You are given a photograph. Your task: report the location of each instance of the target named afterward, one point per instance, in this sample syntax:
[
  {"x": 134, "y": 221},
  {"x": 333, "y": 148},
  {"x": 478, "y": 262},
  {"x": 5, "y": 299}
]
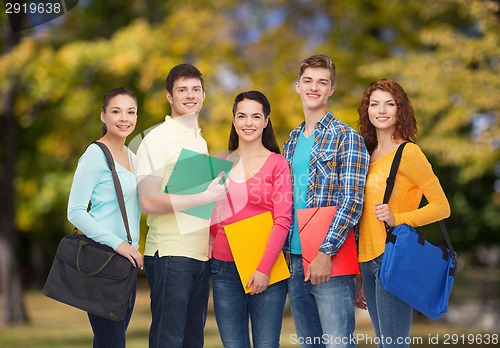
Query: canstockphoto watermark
[
  {"x": 27, "y": 14},
  {"x": 353, "y": 340},
  {"x": 431, "y": 339}
]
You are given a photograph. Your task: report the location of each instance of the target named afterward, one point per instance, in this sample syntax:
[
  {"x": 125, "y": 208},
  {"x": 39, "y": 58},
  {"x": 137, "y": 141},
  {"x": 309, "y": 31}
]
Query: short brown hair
[
  {"x": 318, "y": 61},
  {"x": 182, "y": 71}
]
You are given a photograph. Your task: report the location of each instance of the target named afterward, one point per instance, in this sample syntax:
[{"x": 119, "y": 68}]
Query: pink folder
[{"x": 313, "y": 227}]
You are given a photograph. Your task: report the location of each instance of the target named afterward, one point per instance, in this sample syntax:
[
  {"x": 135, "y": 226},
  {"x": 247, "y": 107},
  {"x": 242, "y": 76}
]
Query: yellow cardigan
[{"x": 413, "y": 179}]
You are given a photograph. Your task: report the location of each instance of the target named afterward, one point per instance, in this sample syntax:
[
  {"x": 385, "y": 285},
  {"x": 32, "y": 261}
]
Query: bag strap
[
  {"x": 118, "y": 187},
  {"x": 390, "y": 186},
  {"x": 447, "y": 237},
  {"x": 392, "y": 174}
]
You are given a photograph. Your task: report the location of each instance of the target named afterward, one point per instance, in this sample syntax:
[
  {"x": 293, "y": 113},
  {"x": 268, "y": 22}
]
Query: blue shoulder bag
[{"x": 414, "y": 270}]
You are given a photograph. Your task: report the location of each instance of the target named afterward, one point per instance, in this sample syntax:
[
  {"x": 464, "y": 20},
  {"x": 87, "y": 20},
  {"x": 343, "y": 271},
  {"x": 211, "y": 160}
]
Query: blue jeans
[
  {"x": 391, "y": 317},
  {"x": 109, "y": 333},
  {"x": 233, "y": 309},
  {"x": 179, "y": 299},
  {"x": 323, "y": 314}
]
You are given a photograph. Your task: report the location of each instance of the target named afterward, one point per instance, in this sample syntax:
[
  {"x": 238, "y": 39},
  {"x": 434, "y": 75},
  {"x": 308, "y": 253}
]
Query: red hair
[{"x": 406, "y": 124}]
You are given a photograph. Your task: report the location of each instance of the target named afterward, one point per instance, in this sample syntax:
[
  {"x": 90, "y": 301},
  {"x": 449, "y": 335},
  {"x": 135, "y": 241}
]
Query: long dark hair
[
  {"x": 406, "y": 124},
  {"x": 110, "y": 95},
  {"x": 268, "y": 137}
]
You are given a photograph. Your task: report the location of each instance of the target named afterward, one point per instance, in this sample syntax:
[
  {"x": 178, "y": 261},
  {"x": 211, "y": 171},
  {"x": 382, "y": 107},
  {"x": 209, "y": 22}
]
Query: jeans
[
  {"x": 233, "y": 309},
  {"x": 179, "y": 299},
  {"x": 109, "y": 333},
  {"x": 391, "y": 317},
  {"x": 323, "y": 314}
]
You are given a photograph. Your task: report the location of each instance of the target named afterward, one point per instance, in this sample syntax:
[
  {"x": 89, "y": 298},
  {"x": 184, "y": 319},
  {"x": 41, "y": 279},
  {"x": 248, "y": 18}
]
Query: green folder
[{"x": 193, "y": 172}]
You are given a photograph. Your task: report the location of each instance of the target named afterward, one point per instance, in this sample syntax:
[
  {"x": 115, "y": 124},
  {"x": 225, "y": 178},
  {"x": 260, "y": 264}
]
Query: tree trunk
[{"x": 10, "y": 278}]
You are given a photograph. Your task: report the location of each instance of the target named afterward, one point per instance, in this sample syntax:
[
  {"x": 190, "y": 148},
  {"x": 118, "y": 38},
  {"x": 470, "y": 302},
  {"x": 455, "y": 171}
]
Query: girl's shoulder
[
  {"x": 413, "y": 150},
  {"x": 93, "y": 151},
  {"x": 278, "y": 161},
  {"x": 277, "y": 158},
  {"x": 413, "y": 158},
  {"x": 94, "y": 157}
]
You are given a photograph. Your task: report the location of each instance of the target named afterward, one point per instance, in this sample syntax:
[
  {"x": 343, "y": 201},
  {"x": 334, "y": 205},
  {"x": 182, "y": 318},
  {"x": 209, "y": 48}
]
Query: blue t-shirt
[{"x": 300, "y": 170}]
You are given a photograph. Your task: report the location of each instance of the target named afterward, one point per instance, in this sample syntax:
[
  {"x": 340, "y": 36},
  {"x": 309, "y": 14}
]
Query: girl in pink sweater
[{"x": 260, "y": 181}]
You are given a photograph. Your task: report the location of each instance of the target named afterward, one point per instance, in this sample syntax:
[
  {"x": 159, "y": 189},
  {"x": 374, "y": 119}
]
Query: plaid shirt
[{"x": 337, "y": 174}]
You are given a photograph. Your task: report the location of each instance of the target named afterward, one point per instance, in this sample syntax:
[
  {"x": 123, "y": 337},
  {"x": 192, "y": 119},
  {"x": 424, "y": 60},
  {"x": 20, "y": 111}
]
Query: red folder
[{"x": 314, "y": 224}]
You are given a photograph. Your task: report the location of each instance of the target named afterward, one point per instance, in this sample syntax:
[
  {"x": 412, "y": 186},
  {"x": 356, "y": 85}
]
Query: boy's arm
[{"x": 154, "y": 201}]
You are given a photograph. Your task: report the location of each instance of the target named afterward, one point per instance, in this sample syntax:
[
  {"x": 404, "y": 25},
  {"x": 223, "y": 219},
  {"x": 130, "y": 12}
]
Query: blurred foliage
[{"x": 444, "y": 53}]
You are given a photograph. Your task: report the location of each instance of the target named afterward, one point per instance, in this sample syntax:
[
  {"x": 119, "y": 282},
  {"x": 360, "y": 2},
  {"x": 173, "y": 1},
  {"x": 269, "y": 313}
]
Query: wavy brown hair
[{"x": 406, "y": 124}]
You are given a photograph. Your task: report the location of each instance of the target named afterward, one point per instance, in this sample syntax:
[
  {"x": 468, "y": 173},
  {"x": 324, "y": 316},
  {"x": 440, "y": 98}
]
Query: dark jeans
[
  {"x": 109, "y": 333},
  {"x": 179, "y": 299}
]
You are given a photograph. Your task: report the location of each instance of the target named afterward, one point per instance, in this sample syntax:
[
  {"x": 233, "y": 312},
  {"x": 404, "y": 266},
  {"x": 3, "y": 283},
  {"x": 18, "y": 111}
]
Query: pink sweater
[{"x": 268, "y": 190}]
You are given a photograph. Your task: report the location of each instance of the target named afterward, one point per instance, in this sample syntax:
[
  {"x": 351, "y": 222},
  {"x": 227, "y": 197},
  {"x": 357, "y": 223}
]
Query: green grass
[{"x": 55, "y": 325}]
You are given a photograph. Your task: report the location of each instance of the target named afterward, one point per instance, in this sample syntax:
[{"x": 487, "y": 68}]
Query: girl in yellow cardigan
[{"x": 386, "y": 119}]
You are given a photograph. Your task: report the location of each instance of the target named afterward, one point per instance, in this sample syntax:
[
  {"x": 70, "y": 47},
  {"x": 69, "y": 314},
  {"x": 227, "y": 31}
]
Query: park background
[{"x": 445, "y": 53}]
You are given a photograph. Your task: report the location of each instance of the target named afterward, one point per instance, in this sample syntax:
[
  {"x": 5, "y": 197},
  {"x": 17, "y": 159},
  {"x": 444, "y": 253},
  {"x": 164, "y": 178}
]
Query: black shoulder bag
[
  {"x": 417, "y": 272},
  {"x": 92, "y": 276}
]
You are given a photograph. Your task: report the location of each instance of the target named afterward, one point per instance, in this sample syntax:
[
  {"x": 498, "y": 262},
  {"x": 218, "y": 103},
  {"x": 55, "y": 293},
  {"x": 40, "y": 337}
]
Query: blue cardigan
[{"x": 93, "y": 181}]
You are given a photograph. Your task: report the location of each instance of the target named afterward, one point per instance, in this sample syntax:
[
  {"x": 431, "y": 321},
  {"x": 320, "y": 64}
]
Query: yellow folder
[{"x": 247, "y": 240}]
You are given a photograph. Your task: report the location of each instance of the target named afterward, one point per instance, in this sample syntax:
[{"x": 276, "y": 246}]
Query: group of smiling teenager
[{"x": 325, "y": 163}]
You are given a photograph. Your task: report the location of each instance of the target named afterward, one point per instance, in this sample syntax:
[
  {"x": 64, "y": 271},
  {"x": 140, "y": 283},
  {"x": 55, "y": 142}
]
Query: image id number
[
  {"x": 32, "y": 7},
  {"x": 471, "y": 339}
]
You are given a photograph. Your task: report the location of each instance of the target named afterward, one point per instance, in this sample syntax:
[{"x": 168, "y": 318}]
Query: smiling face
[
  {"x": 249, "y": 121},
  {"x": 382, "y": 111},
  {"x": 120, "y": 116},
  {"x": 187, "y": 96},
  {"x": 315, "y": 87}
]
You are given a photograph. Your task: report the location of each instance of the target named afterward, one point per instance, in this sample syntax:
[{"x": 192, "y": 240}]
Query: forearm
[
  {"x": 437, "y": 209},
  {"x": 353, "y": 166},
  {"x": 419, "y": 170},
  {"x": 282, "y": 213},
  {"x": 273, "y": 247},
  {"x": 165, "y": 203},
  {"x": 346, "y": 217},
  {"x": 82, "y": 220},
  {"x": 154, "y": 200}
]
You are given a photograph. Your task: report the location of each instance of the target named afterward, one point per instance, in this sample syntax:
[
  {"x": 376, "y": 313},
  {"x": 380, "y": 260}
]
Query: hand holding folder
[
  {"x": 193, "y": 172},
  {"x": 248, "y": 240},
  {"x": 314, "y": 224}
]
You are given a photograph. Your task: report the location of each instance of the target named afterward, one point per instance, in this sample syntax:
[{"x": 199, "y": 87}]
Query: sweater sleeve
[
  {"x": 282, "y": 215},
  {"x": 417, "y": 168},
  {"x": 92, "y": 166}
]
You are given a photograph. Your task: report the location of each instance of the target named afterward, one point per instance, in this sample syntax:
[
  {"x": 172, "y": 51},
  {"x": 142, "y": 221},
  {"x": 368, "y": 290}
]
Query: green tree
[{"x": 452, "y": 77}]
